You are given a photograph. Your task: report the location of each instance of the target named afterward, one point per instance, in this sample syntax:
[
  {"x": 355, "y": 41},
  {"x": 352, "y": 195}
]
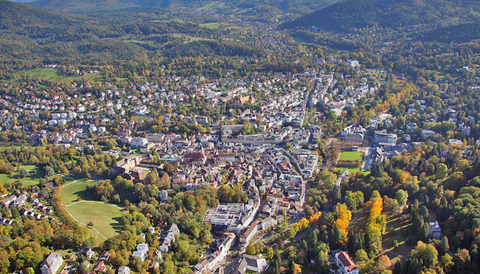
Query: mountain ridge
[{"x": 353, "y": 14}]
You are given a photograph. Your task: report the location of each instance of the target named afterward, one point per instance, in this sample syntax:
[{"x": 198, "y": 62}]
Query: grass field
[
  {"x": 352, "y": 170},
  {"x": 4, "y": 147},
  {"x": 70, "y": 192},
  {"x": 211, "y": 25},
  {"x": 351, "y": 156},
  {"x": 50, "y": 74},
  {"x": 399, "y": 228},
  {"x": 30, "y": 180},
  {"x": 105, "y": 217}
]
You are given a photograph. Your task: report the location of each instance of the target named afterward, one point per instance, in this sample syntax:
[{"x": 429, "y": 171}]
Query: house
[
  {"x": 51, "y": 264},
  {"x": 345, "y": 263},
  {"x": 105, "y": 256},
  {"x": 241, "y": 100},
  {"x": 435, "y": 230},
  {"x": 124, "y": 270},
  {"x": 138, "y": 142},
  {"x": 9, "y": 201},
  {"x": 411, "y": 126},
  {"x": 141, "y": 252},
  {"x": 196, "y": 158},
  {"x": 171, "y": 233},
  {"x": 101, "y": 267},
  {"x": 163, "y": 195},
  {"x": 246, "y": 263}
]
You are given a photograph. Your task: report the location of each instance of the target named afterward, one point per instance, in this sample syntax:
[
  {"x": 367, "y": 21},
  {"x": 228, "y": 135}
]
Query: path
[
  {"x": 98, "y": 232},
  {"x": 65, "y": 207},
  {"x": 83, "y": 201}
]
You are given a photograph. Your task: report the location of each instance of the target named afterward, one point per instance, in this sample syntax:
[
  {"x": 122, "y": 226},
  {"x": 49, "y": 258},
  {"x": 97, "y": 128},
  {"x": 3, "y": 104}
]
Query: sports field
[{"x": 351, "y": 156}]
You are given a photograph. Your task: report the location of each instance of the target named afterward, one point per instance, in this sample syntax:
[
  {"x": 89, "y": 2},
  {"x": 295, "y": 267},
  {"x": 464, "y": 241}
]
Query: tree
[
  {"x": 401, "y": 196},
  {"x": 361, "y": 256},
  {"x": 427, "y": 252},
  {"x": 169, "y": 168},
  {"x": 49, "y": 171},
  {"x": 269, "y": 253},
  {"x": 444, "y": 245},
  {"x": 23, "y": 173},
  {"x": 446, "y": 261}
]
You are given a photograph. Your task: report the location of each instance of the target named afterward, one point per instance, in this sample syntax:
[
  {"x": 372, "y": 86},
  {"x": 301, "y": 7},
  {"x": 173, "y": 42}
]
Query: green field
[
  {"x": 30, "y": 180},
  {"x": 70, "y": 192},
  {"x": 4, "y": 147},
  {"x": 50, "y": 74},
  {"x": 351, "y": 156},
  {"x": 352, "y": 170},
  {"x": 211, "y": 25},
  {"x": 105, "y": 217}
]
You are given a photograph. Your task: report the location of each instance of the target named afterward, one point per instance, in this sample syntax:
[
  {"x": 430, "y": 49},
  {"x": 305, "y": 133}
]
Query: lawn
[
  {"x": 30, "y": 180},
  {"x": 4, "y": 147},
  {"x": 352, "y": 170},
  {"x": 50, "y": 74},
  {"x": 105, "y": 217},
  {"x": 70, "y": 192},
  {"x": 211, "y": 25},
  {"x": 351, "y": 156},
  {"x": 397, "y": 230}
]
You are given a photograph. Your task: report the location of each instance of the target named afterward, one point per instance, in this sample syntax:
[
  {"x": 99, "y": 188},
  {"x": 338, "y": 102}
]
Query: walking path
[{"x": 98, "y": 232}]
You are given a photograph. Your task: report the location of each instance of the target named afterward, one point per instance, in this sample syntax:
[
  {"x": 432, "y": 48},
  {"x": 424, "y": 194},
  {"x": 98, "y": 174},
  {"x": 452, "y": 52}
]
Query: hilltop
[
  {"x": 353, "y": 14},
  {"x": 227, "y": 7}
]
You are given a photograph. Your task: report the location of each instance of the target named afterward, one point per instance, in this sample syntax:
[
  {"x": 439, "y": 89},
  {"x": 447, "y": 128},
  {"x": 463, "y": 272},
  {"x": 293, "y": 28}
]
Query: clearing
[
  {"x": 105, "y": 217},
  {"x": 397, "y": 229},
  {"x": 31, "y": 179},
  {"x": 71, "y": 191}
]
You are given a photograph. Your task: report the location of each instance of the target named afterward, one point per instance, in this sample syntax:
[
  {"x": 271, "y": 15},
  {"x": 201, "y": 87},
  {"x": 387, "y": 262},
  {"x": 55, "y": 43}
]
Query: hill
[
  {"x": 457, "y": 33},
  {"x": 29, "y": 33},
  {"x": 350, "y": 14},
  {"x": 256, "y": 8},
  {"x": 14, "y": 17}
]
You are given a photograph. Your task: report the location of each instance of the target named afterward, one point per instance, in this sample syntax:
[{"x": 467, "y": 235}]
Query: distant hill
[
  {"x": 202, "y": 6},
  {"x": 28, "y": 33},
  {"x": 14, "y": 17},
  {"x": 351, "y": 14},
  {"x": 455, "y": 33}
]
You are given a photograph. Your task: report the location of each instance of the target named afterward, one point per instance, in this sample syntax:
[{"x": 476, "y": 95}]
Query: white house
[
  {"x": 345, "y": 263},
  {"x": 51, "y": 264}
]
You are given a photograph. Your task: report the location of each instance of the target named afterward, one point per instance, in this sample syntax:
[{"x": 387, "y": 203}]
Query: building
[
  {"x": 435, "y": 230},
  {"x": 124, "y": 270},
  {"x": 382, "y": 138},
  {"x": 141, "y": 252},
  {"x": 225, "y": 216},
  {"x": 51, "y": 264},
  {"x": 246, "y": 263},
  {"x": 196, "y": 158},
  {"x": 241, "y": 100},
  {"x": 345, "y": 264},
  {"x": 138, "y": 142},
  {"x": 170, "y": 238},
  {"x": 249, "y": 233}
]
